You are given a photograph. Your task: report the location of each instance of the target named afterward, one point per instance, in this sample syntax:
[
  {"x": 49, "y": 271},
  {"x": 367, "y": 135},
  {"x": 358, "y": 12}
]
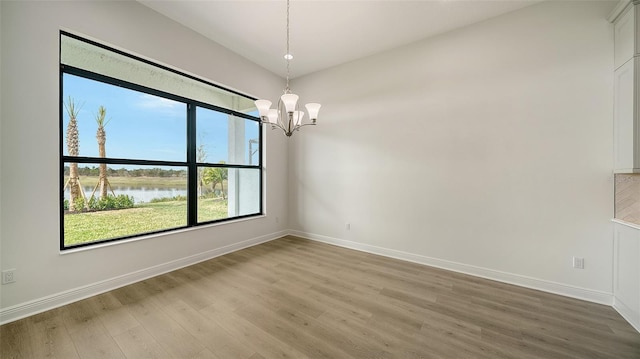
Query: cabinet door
[
  {"x": 627, "y": 272},
  {"x": 624, "y": 37},
  {"x": 623, "y": 116}
]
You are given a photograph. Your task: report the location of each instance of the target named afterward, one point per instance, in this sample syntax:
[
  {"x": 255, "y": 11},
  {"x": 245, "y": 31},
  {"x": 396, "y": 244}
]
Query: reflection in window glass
[
  {"x": 224, "y": 138},
  {"x": 228, "y": 192},
  {"x": 244, "y": 184}
]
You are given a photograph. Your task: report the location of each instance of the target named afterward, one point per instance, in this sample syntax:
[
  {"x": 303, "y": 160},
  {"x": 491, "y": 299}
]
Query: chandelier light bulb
[
  {"x": 297, "y": 118},
  {"x": 290, "y": 100},
  {"x": 313, "y": 109},
  {"x": 263, "y": 107},
  {"x": 272, "y": 115}
]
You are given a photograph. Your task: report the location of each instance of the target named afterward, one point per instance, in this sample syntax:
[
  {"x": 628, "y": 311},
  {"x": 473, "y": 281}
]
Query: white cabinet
[
  {"x": 626, "y": 275},
  {"x": 627, "y": 92},
  {"x": 625, "y": 123},
  {"x": 624, "y": 37}
]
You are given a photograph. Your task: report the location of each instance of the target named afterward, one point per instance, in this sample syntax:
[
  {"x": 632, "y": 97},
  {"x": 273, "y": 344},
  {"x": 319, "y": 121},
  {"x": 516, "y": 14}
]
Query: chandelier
[{"x": 287, "y": 116}]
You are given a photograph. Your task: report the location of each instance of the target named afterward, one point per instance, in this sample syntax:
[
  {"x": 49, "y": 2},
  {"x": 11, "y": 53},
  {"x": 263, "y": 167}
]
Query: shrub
[
  {"x": 111, "y": 202},
  {"x": 124, "y": 201},
  {"x": 78, "y": 205}
]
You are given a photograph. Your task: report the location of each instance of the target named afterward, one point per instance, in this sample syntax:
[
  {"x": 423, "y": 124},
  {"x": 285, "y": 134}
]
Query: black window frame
[{"x": 191, "y": 164}]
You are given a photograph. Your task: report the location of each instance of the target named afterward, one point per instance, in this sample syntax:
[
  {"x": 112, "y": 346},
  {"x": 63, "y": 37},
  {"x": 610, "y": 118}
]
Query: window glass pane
[
  {"x": 81, "y": 54},
  {"x": 136, "y": 125},
  {"x": 244, "y": 191},
  {"x": 213, "y": 193},
  {"x": 134, "y": 200},
  {"x": 228, "y": 192},
  {"x": 212, "y": 136},
  {"x": 252, "y": 142},
  {"x": 224, "y": 138}
]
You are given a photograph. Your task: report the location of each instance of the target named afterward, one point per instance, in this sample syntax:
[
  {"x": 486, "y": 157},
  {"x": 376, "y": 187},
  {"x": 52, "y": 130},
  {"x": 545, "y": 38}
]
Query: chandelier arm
[
  {"x": 297, "y": 128},
  {"x": 273, "y": 125}
]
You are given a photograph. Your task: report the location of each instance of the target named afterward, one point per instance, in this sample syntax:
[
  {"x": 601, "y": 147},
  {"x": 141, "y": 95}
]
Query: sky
[{"x": 143, "y": 126}]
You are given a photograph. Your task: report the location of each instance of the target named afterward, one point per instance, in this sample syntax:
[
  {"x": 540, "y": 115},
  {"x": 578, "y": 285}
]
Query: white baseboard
[
  {"x": 627, "y": 313},
  {"x": 24, "y": 310},
  {"x": 510, "y": 278}
]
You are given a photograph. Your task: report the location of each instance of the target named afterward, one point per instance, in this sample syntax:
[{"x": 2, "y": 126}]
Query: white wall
[
  {"x": 486, "y": 150},
  {"x": 1, "y": 267},
  {"x": 30, "y": 148}
]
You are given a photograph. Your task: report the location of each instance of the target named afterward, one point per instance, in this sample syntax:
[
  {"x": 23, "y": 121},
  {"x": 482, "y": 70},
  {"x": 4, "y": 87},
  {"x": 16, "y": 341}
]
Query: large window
[{"x": 147, "y": 149}]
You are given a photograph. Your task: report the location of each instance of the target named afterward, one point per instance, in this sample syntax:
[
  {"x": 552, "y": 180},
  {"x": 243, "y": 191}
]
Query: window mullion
[{"x": 192, "y": 185}]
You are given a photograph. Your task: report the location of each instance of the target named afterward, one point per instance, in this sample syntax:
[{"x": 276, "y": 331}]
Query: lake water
[{"x": 140, "y": 194}]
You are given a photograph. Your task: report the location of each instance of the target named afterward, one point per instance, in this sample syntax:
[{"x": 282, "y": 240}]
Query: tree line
[{"x": 123, "y": 172}]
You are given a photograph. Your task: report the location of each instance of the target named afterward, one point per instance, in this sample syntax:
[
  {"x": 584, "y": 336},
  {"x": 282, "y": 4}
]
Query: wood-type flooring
[{"x": 295, "y": 298}]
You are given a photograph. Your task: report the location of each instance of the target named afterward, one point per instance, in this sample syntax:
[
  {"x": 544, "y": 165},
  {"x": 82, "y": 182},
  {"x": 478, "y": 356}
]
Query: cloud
[{"x": 157, "y": 103}]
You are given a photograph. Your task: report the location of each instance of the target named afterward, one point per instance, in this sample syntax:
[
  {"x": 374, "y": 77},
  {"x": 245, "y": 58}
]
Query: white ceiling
[{"x": 325, "y": 33}]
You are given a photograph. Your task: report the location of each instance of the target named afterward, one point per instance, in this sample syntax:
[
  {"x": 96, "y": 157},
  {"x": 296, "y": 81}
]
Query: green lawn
[{"x": 143, "y": 218}]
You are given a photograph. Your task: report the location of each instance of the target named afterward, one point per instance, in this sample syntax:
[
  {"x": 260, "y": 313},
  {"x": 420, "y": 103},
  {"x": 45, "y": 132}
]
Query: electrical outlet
[
  {"x": 347, "y": 226},
  {"x": 578, "y": 263},
  {"x": 277, "y": 219},
  {"x": 8, "y": 276}
]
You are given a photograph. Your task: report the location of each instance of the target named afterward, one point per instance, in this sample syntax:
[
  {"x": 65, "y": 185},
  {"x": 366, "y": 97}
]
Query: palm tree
[
  {"x": 201, "y": 156},
  {"x": 101, "y": 136},
  {"x": 73, "y": 147},
  {"x": 215, "y": 176}
]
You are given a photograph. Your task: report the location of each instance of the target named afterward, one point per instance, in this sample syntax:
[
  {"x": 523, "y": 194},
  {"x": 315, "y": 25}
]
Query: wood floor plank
[
  {"x": 379, "y": 340},
  {"x": 303, "y": 289},
  {"x": 354, "y": 346},
  {"x": 113, "y": 315},
  {"x": 519, "y": 348},
  {"x": 207, "y": 332},
  {"x": 173, "y": 338},
  {"x": 191, "y": 291},
  {"x": 206, "y": 354},
  {"x": 50, "y": 338},
  {"x": 136, "y": 342},
  {"x": 92, "y": 340},
  {"x": 377, "y": 306},
  {"x": 16, "y": 340},
  {"x": 295, "y": 298},
  {"x": 268, "y": 320},
  {"x": 254, "y": 337}
]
